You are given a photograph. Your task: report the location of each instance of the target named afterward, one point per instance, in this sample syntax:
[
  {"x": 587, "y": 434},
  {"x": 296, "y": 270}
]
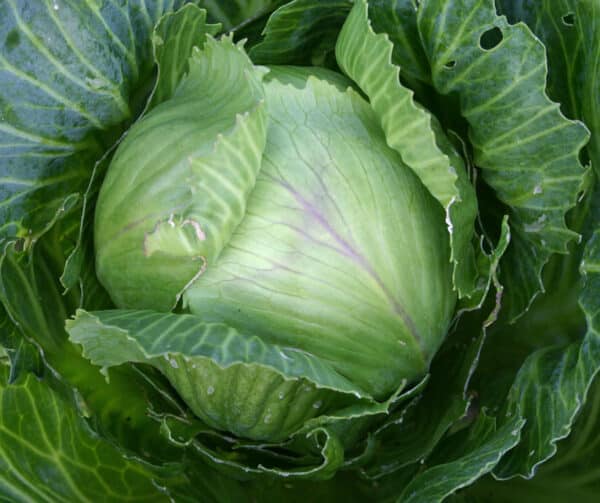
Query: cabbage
[{"x": 307, "y": 249}]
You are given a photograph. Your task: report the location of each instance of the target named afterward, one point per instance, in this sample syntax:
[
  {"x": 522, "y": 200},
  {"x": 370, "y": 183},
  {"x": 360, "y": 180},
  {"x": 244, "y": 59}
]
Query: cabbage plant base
[{"x": 310, "y": 289}]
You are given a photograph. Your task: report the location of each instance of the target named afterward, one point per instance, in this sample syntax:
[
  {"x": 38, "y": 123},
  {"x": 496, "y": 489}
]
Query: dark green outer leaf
[
  {"x": 231, "y": 13},
  {"x": 71, "y": 72},
  {"x": 22, "y": 356},
  {"x": 484, "y": 447},
  {"x": 398, "y": 18},
  {"x": 572, "y": 475},
  {"x": 32, "y": 297},
  {"x": 28, "y": 289},
  {"x": 49, "y": 454},
  {"x": 527, "y": 149},
  {"x": 553, "y": 384},
  {"x": 570, "y": 31},
  {"x": 63, "y": 448},
  {"x": 301, "y": 32},
  {"x": 323, "y": 467}
]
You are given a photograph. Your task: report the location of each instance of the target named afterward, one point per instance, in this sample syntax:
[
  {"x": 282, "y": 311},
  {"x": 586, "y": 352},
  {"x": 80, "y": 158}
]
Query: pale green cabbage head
[{"x": 271, "y": 202}]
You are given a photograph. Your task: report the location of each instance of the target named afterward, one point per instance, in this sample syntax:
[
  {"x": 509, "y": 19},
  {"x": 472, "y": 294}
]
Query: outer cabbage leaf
[
  {"x": 28, "y": 284},
  {"x": 570, "y": 32},
  {"x": 71, "y": 73},
  {"x": 482, "y": 447},
  {"x": 553, "y": 384},
  {"x": 574, "y": 473},
  {"x": 398, "y": 19},
  {"x": 21, "y": 356},
  {"x": 54, "y": 456},
  {"x": 33, "y": 300},
  {"x": 233, "y": 14},
  {"x": 301, "y": 32},
  {"x": 527, "y": 150}
]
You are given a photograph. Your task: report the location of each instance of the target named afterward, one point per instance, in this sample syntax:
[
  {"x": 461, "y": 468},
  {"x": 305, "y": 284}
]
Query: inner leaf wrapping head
[{"x": 178, "y": 185}]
